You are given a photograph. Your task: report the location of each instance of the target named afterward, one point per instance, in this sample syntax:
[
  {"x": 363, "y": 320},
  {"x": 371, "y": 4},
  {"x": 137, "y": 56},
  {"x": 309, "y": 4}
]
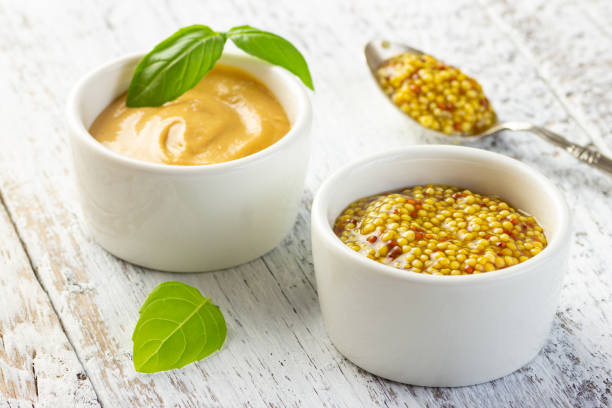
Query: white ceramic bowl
[
  {"x": 439, "y": 330},
  {"x": 189, "y": 218}
]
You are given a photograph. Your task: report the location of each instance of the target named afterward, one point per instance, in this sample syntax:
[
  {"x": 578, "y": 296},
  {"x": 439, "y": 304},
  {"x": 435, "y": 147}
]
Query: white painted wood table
[{"x": 68, "y": 308}]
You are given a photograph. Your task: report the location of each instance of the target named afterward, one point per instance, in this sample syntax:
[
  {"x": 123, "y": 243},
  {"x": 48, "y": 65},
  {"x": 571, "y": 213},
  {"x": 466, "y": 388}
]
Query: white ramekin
[
  {"x": 439, "y": 330},
  {"x": 188, "y": 218}
]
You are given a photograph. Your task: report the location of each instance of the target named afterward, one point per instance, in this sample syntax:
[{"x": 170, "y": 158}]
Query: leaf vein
[{"x": 178, "y": 327}]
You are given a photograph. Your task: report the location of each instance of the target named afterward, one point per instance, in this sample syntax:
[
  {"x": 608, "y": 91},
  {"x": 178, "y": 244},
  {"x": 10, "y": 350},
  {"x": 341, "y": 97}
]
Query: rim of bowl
[
  {"x": 318, "y": 214},
  {"x": 303, "y": 117}
]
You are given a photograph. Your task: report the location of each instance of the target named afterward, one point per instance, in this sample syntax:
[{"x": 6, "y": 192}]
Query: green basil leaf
[
  {"x": 177, "y": 326},
  {"x": 273, "y": 49},
  {"x": 175, "y": 66}
]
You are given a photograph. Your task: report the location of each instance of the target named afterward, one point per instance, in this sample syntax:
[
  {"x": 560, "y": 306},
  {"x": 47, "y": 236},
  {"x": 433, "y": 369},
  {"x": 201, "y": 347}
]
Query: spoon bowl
[{"x": 379, "y": 51}]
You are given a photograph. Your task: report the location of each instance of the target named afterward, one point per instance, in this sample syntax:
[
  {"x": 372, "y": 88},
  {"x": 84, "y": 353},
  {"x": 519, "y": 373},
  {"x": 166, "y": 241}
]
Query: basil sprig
[
  {"x": 177, "y": 326},
  {"x": 179, "y": 62}
]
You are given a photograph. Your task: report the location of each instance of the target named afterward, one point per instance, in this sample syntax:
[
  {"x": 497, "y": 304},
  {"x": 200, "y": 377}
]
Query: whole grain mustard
[
  {"x": 436, "y": 95},
  {"x": 440, "y": 230}
]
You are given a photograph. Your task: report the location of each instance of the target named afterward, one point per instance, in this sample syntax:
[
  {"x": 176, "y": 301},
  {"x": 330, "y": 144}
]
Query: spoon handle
[{"x": 582, "y": 153}]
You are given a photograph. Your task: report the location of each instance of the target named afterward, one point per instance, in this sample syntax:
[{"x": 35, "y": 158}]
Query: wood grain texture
[
  {"x": 38, "y": 366},
  {"x": 277, "y": 352},
  {"x": 568, "y": 43}
]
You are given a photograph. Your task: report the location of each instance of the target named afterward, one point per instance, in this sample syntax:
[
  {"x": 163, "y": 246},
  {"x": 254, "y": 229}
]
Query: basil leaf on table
[
  {"x": 271, "y": 48},
  {"x": 175, "y": 65},
  {"x": 177, "y": 326}
]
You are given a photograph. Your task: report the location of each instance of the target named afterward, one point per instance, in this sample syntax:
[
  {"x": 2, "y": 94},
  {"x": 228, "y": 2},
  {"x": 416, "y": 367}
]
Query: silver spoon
[{"x": 378, "y": 51}]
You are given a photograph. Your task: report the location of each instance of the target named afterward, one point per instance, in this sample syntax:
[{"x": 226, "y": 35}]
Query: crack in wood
[{"x": 34, "y": 374}]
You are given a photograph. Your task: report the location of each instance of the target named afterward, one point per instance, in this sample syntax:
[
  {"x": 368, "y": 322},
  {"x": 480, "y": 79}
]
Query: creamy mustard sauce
[{"x": 226, "y": 116}]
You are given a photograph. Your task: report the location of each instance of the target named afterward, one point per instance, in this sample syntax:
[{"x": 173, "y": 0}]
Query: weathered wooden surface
[
  {"x": 549, "y": 62},
  {"x": 37, "y": 363}
]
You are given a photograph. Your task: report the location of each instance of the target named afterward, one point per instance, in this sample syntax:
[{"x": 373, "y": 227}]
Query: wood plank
[
  {"x": 568, "y": 43},
  {"x": 38, "y": 366},
  {"x": 277, "y": 351}
]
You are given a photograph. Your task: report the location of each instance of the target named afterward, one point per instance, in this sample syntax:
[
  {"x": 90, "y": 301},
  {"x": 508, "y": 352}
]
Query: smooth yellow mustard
[{"x": 228, "y": 115}]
